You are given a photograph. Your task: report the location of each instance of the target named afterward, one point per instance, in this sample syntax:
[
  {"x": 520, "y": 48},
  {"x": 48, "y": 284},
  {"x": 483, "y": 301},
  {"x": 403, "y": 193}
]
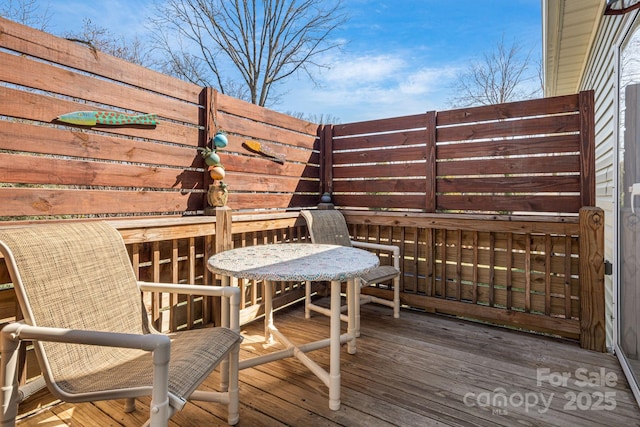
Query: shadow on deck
[{"x": 419, "y": 370}]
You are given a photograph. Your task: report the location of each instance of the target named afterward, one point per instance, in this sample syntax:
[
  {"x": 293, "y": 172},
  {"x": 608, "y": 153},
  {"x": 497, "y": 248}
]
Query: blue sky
[{"x": 400, "y": 56}]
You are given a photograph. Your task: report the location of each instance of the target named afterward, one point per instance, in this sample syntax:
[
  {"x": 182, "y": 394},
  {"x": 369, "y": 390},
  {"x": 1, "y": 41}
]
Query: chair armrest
[
  {"x": 11, "y": 335},
  {"x": 147, "y": 342},
  {"x": 376, "y": 246},
  {"x": 380, "y": 247},
  {"x": 231, "y": 292},
  {"x": 209, "y": 291}
]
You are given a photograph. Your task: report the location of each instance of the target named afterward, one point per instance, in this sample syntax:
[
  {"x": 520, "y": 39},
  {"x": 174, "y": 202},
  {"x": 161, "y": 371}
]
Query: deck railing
[{"x": 532, "y": 273}]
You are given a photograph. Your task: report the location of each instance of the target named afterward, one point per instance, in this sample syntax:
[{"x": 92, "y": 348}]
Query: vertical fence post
[
  {"x": 208, "y": 121},
  {"x": 223, "y": 242},
  {"x": 587, "y": 148},
  {"x": 430, "y": 180},
  {"x": 593, "y": 329},
  {"x": 224, "y": 222},
  {"x": 326, "y": 159}
]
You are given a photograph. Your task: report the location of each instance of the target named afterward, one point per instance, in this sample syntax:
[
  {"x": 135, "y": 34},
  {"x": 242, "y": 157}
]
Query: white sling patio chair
[
  {"x": 328, "y": 226},
  {"x": 82, "y": 307}
]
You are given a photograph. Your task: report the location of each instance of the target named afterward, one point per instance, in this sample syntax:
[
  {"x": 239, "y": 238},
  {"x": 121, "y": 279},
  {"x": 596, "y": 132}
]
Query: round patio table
[{"x": 301, "y": 262}]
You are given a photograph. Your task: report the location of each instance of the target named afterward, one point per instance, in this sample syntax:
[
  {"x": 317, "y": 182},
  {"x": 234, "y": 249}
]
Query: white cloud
[
  {"x": 371, "y": 87},
  {"x": 362, "y": 69},
  {"x": 425, "y": 80}
]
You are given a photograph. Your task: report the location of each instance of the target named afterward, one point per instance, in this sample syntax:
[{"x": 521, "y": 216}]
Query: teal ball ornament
[{"x": 220, "y": 140}]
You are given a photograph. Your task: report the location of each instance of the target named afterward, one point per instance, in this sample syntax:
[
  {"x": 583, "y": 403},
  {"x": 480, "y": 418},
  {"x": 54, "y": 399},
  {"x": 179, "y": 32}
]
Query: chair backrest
[
  {"x": 327, "y": 227},
  {"x": 73, "y": 275}
]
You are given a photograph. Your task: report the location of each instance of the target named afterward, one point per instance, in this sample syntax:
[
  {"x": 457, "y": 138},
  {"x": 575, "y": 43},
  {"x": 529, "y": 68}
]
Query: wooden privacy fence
[
  {"x": 491, "y": 206},
  {"x": 534, "y": 156},
  {"x": 521, "y": 157},
  {"x": 54, "y": 170},
  {"x": 51, "y": 169}
]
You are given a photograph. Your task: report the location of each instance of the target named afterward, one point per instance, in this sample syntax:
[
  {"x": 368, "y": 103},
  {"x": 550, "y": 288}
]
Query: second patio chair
[
  {"x": 328, "y": 226},
  {"x": 83, "y": 309}
]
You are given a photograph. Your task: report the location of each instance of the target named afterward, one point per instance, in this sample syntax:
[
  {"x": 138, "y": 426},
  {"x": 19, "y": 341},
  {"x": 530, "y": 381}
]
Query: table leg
[
  {"x": 225, "y": 321},
  {"x": 224, "y": 309},
  {"x": 268, "y": 311},
  {"x": 358, "y": 291},
  {"x": 334, "y": 355},
  {"x": 353, "y": 311},
  {"x": 307, "y": 299}
]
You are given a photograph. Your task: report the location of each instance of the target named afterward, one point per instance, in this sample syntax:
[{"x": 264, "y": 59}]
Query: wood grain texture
[{"x": 412, "y": 371}]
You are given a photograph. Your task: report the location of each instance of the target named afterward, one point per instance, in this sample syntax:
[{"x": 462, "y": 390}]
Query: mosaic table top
[{"x": 293, "y": 262}]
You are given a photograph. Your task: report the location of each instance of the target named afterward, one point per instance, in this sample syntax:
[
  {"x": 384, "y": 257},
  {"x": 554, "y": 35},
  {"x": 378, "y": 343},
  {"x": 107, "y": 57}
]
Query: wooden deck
[{"x": 440, "y": 371}]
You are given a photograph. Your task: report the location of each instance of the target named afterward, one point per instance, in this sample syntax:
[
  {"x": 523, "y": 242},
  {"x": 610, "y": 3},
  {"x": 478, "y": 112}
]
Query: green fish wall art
[{"x": 107, "y": 118}]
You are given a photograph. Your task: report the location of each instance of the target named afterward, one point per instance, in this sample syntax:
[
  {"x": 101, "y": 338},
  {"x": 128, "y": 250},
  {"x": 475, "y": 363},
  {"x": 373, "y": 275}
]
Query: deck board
[{"x": 412, "y": 371}]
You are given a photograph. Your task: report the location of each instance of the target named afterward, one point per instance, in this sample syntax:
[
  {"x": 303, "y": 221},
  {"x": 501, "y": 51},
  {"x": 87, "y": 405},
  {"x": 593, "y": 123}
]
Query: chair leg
[
  {"x": 160, "y": 406},
  {"x": 233, "y": 415},
  {"x": 129, "y": 404},
  {"x": 8, "y": 376},
  {"x": 396, "y": 297}
]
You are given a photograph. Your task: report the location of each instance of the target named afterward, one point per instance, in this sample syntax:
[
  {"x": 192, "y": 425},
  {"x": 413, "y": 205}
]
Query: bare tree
[
  {"x": 504, "y": 75},
  {"x": 104, "y": 40},
  {"x": 320, "y": 119},
  {"x": 244, "y": 47},
  {"x": 27, "y": 12}
]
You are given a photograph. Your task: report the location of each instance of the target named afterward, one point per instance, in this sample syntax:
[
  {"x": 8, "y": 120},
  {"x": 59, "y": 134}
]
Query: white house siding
[{"x": 601, "y": 76}]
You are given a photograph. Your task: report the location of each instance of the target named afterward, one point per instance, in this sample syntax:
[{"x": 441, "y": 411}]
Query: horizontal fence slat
[
  {"x": 260, "y": 166},
  {"x": 380, "y": 185},
  {"x": 552, "y": 144},
  {"x": 569, "y": 328},
  {"x": 45, "y": 109},
  {"x": 535, "y": 126},
  {"x": 382, "y": 125},
  {"x": 51, "y": 171},
  {"x": 253, "y": 201},
  {"x": 377, "y": 156},
  {"x": 241, "y": 181},
  {"x": 39, "y": 202},
  {"x": 141, "y": 231},
  {"x": 380, "y": 140},
  {"x": 381, "y": 201},
  {"x": 380, "y": 171},
  {"x": 19, "y": 70},
  {"x": 25, "y": 40},
  {"x": 527, "y": 165},
  {"x": 535, "y": 107},
  {"x": 291, "y": 153},
  {"x": 528, "y": 203},
  {"x": 249, "y": 128},
  {"x": 237, "y": 107},
  {"x": 81, "y": 144},
  {"x": 537, "y": 225},
  {"x": 512, "y": 184}
]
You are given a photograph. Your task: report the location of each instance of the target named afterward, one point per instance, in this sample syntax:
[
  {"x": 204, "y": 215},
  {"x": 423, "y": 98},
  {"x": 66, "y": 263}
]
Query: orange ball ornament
[{"x": 216, "y": 172}]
